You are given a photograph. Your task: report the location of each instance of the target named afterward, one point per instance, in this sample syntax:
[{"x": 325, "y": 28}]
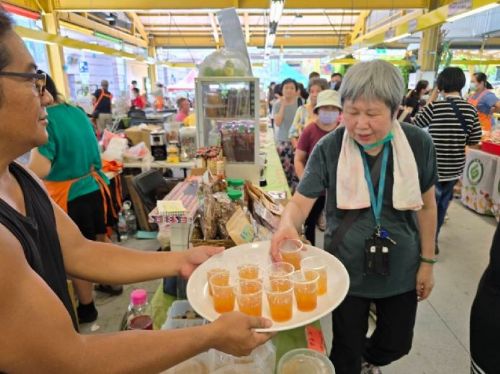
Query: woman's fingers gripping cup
[{"x": 282, "y": 235}]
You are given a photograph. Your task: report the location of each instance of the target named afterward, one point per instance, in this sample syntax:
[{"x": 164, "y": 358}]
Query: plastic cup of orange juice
[
  {"x": 222, "y": 292},
  {"x": 279, "y": 292},
  {"x": 249, "y": 271},
  {"x": 305, "y": 287},
  {"x": 290, "y": 252},
  {"x": 249, "y": 297},
  {"x": 315, "y": 263},
  {"x": 280, "y": 270},
  {"x": 223, "y": 280}
]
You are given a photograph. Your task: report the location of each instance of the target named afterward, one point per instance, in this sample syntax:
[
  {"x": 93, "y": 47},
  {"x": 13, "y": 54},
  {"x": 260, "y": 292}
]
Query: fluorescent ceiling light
[
  {"x": 38, "y": 40},
  {"x": 92, "y": 51},
  {"x": 471, "y": 12},
  {"x": 397, "y": 37},
  {"x": 276, "y": 10},
  {"x": 270, "y": 39}
]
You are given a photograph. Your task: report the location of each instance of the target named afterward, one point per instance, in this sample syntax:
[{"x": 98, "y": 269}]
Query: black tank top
[{"x": 37, "y": 234}]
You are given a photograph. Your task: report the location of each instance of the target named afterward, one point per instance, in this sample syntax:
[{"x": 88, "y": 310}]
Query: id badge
[{"x": 377, "y": 255}]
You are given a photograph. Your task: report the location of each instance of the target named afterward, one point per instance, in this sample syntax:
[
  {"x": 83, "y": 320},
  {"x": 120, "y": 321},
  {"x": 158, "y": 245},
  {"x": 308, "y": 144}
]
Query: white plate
[{"x": 201, "y": 301}]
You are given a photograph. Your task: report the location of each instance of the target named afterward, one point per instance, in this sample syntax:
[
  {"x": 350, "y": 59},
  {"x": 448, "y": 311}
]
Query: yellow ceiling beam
[
  {"x": 86, "y": 23},
  {"x": 134, "y": 5},
  {"x": 351, "y": 61},
  {"x": 53, "y": 39},
  {"x": 409, "y": 24},
  {"x": 138, "y": 26},
  {"x": 360, "y": 25},
  {"x": 374, "y": 35},
  {"x": 34, "y": 5},
  {"x": 179, "y": 41}
]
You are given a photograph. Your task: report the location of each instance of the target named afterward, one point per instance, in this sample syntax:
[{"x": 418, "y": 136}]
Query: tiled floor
[{"x": 441, "y": 335}]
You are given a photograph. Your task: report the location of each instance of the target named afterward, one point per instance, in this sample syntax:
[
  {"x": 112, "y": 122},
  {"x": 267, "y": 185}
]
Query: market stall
[{"x": 276, "y": 183}]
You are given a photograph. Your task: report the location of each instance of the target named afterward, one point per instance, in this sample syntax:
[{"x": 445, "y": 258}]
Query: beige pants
[{"x": 104, "y": 120}]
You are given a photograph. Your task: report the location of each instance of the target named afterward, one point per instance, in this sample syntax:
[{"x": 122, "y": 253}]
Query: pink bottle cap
[{"x": 139, "y": 296}]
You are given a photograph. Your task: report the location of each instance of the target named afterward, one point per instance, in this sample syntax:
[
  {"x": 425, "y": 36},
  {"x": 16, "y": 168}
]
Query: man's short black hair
[
  {"x": 288, "y": 81},
  {"x": 313, "y": 75},
  {"x": 134, "y": 82},
  {"x": 5, "y": 27},
  {"x": 336, "y": 75},
  {"x": 451, "y": 79},
  {"x": 135, "y": 89}
]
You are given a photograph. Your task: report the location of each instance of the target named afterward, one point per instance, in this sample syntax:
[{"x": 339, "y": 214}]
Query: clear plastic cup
[
  {"x": 317, "y": 264},
  {"x": 280, "y": 270},
  {"x": 279, "y": 292},
  {"x": 305, "y": 287},
  {"x": 290, "y": 250},
  {"x": 222, "y": 292},
  {"x": 214, "y": 271},
  {"x": 249, "y": 271},
  {"x": 249, "y": 297}
]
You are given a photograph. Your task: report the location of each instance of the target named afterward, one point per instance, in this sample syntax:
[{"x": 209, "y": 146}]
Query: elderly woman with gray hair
[{"x": 381, "y": 217}]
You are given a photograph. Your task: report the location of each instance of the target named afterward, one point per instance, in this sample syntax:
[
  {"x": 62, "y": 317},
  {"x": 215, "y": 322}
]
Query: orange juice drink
[
  {"x": 290, "y": 250},
  {"x": 280, "y": 270},
  {"x": 249, "y": 271},
  {"x": 315, "y": 263},
  {"x": 279, "y": 294},
  {"x": 222, "y": 293},
  {"x": 249, "y": 296},
  {"x": 224, "y": 280},
  {"x": 305, "y": 287}
]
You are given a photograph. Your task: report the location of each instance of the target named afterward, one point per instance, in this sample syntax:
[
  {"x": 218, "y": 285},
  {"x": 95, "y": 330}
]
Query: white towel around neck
[{"x": 352, "y": 189}]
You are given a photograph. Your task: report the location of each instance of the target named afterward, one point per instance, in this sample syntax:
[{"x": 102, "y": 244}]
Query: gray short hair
[{"x": 374, "y": 80}]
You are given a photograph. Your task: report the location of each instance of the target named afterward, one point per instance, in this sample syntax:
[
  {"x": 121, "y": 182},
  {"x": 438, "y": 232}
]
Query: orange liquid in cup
[
  {"x": 322, "y": 283},
  {"x": 280, "y": 312},
  {"x": 251, "y": 309},
  {"x": 223, "y": 301},
  {"x": 220, "y": 281},
  {"x": 306, "y": 290},
  {"x": 249, "y": 272},
  {"x": 292, "y": 258},
  {"x": 280, "y": 299},
  {"x": 249, "y": 296},
  {"x": 306, "y": 300}
]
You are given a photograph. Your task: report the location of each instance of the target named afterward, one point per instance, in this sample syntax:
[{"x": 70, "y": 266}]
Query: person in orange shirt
[{"x": 484, "y": 100}]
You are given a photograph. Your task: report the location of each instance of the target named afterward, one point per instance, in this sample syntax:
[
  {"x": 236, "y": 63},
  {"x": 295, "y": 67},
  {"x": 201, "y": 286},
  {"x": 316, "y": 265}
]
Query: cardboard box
[{"x": 138, "y": 134}]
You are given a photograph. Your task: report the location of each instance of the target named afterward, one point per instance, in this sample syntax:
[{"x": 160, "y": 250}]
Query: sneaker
[
  {"x": 367, "y": 368},
  {"x": 110, "y": 290},
  {"x": 86, "y": 313}
]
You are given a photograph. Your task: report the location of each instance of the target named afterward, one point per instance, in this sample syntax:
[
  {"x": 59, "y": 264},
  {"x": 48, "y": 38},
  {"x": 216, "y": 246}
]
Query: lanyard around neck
[{"x": 376, "y": 202}]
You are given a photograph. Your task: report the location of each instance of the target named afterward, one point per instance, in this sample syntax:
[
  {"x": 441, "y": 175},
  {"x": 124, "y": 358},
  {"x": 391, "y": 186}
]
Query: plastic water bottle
[
  {"x": 122, "y": 226},
  {"x": 139, "y": 311},
  {"x": 131, "y": 222}
]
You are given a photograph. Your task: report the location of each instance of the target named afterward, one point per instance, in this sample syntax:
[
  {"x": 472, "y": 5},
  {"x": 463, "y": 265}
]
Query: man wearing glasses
[{"x": 39, "y": 245}]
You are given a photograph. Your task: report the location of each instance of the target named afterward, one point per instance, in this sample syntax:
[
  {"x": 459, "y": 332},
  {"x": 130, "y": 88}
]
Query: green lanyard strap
[{"x": 376, "y": 202}]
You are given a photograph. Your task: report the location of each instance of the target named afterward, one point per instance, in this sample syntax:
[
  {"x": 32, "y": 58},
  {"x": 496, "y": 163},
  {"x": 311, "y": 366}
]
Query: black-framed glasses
[{"x": 39, "y": 79}]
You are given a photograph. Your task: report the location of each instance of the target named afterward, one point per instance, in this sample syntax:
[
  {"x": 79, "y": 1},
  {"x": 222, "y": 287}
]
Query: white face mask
[
  {"x": 327, "y": 117},
  {"x": 473, "y": 86}
]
